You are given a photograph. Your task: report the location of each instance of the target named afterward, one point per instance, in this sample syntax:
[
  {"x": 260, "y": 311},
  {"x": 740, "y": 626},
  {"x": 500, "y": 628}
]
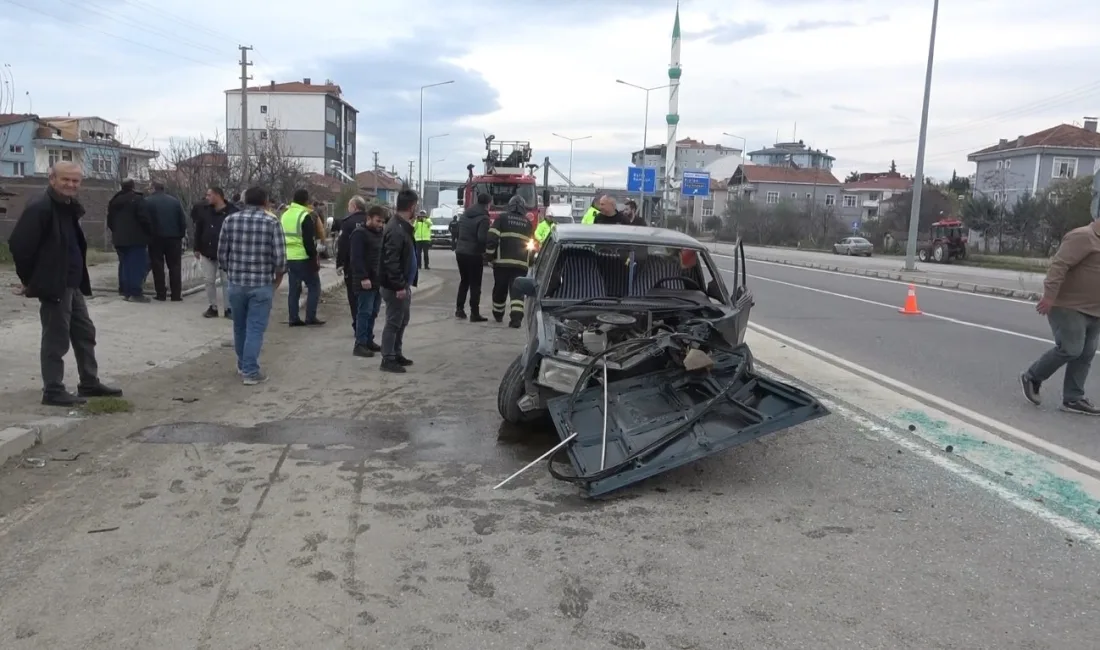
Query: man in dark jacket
[
  {"x": 208, "y": 219},
  {"x": 608, "y": 213},
  {"x": 398, "y": 277},
  {"x": 130, "y": 230},
  {"x": 366, "y": 268},
  {"x": 473, "y": 234},
  {"x": 51, "y": 260},
  {"x": 356, "y": 216},
  {"x": 507, "y": 247},
  {"x": 166, "y": 247},
  {"x": 452, "y": 228}
]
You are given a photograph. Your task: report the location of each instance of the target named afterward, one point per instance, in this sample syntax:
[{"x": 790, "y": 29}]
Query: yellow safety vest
[
  {"x": 292, "y": 221},
  {"x": 589, "y": 217},
  {"x": 543, "y": 231},
  {"x": 422, "y": 230}
]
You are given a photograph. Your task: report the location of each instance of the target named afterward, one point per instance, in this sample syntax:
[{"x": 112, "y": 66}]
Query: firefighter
[
  {"x": 589, "y": 217},
  {"x": 508, "y": 249}
]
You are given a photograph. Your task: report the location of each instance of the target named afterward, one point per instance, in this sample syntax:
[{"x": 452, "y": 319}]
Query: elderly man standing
[
  {"x": 356, "y": 216},
  {"x": 252, "y": 252},
  {"x": 51, "y": 260}
]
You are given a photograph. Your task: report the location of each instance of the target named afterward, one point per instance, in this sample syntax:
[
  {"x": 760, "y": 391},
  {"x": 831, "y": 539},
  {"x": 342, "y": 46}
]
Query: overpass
[{"x": 443, "y": 192}]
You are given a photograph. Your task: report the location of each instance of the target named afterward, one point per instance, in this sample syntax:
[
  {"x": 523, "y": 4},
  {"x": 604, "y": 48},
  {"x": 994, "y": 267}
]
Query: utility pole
[
  {"x": 374, "y": 173},
  {"x": 918, "y": 177},
  {"x": 245, "y": 78},
  {"x": 411, "y": 171}
]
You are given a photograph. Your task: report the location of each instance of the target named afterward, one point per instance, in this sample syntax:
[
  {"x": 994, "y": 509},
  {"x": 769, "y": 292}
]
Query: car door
[{"x": 739, "y": 292}]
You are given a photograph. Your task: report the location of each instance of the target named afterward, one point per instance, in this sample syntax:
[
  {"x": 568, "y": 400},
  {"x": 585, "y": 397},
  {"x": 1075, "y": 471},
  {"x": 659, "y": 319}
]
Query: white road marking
[
  {"x": 1005, "y": 430},
  {"x": 887, "y": 280},
  {"x": 788, "y": 356},
  {"x": 948, "y": 319}
]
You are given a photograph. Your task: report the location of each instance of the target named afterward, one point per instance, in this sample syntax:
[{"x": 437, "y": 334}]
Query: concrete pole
[{"x": 918, "y": 177}]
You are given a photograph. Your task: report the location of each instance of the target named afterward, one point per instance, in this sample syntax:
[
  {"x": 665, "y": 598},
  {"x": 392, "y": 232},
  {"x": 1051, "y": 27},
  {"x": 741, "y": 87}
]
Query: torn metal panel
[{"x": 668, "y": 418}]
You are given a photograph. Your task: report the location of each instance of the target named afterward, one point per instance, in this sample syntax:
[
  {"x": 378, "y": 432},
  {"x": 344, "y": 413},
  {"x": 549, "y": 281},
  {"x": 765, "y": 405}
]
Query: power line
[
  {"x": 192, "y": 24},
  {"x": 147, "y": 26}
]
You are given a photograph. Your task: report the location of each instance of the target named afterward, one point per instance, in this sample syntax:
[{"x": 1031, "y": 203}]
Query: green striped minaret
[{"x": 673, "y": 117}]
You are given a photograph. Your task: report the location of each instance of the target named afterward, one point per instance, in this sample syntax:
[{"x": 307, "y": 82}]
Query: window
[
  {"x": 850, "y": 200},
  {"x": 330, "y": 141},
  {"x": 501, "y": 193},
  {"x": 101, "y": 165},
  {"x": 1008, "y": 164},
  {"x": 830, "y": 199},
  {"x": 872, "y": 213},
  {"x": 1000, "y": 164},
  {"x": 18, "y": 169},
  {"x": 57, "y": 155},
  {"x": 773, "y": 197},
  {"x": 873, "y": 196},
  {"x": 15, "y": 148},
  {"x": 263, "y": 109},
  {"x": 996, "y": 197},
  {"x": 1064, "y": 168},
  {"x": 330, "y": 114},
  {"x": 263, "y": 135},
  {"x": 809, "y": 197},
  {"x": 708, "y": 212}
]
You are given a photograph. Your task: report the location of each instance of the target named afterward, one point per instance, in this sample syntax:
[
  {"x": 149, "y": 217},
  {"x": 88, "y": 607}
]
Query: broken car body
[{"x": 635, "y": 350}]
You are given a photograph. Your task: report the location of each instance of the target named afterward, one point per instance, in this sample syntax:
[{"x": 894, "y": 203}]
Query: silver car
[{"x": 853, "y": 246}]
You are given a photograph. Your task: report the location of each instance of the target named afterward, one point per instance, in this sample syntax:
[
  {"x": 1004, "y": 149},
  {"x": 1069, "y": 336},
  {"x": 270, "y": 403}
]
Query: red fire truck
[{"x": 507, "y": 172}]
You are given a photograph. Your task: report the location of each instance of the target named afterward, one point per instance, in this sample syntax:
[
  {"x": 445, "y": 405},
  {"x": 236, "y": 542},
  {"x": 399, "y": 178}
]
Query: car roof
[{"x": 615, "y": 234}]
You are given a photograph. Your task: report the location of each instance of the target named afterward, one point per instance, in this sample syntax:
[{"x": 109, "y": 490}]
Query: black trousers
[
  {"x": 167, "y": 252},
  {"x": 422, "y": 250},
  {"x": 470, "y": 270},
  {"x": 66, "y": 323},
  {"x": 504, "y": 298},
  {"x": 353, "y": 298}
]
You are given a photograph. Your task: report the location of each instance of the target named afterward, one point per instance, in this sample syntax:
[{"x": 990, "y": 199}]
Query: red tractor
[
  {"x": 946, "y": 242},
  {"x": 508, "y": 172}
]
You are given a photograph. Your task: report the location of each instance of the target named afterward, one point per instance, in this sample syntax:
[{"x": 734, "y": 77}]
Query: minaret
[{"x": 673, "y": 118}]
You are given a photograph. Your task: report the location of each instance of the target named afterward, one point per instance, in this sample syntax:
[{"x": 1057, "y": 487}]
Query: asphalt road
[
  {"x": 966, "y": 348},
  {"x": 1002, "y": 278},
  {"x": 335, "y": 507}
]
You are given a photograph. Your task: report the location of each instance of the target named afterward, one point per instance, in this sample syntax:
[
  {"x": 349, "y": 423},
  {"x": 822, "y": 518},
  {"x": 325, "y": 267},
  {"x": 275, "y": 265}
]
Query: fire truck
[{"x": 507, "y": 172}]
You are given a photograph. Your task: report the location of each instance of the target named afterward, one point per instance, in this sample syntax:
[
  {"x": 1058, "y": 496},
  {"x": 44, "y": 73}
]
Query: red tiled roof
[
  {"x": 880, "y": 183},
  {"x": 15, "y": 118},
  {"x": 292, "y": 87},
  {"x": 770, "y": 174},
  {"x": 1063, "y": 135},
  {"x": 205, "y": 160},
  {"x": 384, "y": 181}
]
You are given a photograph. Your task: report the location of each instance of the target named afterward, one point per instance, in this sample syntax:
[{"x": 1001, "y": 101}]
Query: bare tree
[{"x": 272, "y": 164}]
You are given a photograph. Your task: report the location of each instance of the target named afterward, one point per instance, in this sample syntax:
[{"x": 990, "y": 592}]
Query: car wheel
[
  {"x": 922, "y": 255},
  {"x": 509, "y": 393}
]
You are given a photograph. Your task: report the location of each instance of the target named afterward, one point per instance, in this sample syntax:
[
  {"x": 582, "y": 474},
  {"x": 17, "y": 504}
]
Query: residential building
[
  {"x": 1028, "y": 164},
  {"x": 792, "y": 154},
  {"x": 702, "y": 208},
  {"x": 691, "y": 155},
  {"x": 32, "y": 144},
  {"x": 305, "y": 121},
  {"x": 770, "y": 185},
  {"x": 382, "y": 184},
  {"x": 863, "y": 199}
]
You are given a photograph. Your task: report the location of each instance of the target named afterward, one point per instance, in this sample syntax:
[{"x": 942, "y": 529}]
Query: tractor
[{"x": 946, "y": 241}]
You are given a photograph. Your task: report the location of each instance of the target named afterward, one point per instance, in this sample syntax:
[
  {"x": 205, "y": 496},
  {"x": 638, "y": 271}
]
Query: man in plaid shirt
[{"x": 252, "y": 252}]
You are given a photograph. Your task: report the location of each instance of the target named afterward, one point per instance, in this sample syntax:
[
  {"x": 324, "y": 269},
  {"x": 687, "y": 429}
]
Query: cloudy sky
[{"x": 849, "y": 73}]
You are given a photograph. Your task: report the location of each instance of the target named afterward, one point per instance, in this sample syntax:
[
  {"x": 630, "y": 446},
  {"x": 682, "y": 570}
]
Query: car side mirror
[{"x": 525, "y": 286}]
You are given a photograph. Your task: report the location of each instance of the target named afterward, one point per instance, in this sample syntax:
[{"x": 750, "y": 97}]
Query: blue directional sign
[
  {"x": 634, "y": 182},
  {"x": 695, "y": 184}
]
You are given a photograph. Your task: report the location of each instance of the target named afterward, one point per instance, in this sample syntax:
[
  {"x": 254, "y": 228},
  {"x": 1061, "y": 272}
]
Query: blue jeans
[
  {"x": 300, "y": 271},
  {"x": 133, "y": 264},
  {"x": 251, "y": 310},
  {"x": 367, "y": 304}
]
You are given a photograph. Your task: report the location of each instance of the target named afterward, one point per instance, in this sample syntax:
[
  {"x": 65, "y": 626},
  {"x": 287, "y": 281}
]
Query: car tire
[{"x": 509, "y": 393}]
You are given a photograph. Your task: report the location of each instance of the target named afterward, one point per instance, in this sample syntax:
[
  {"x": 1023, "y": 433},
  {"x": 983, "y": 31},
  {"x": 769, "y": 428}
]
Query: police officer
[
  {"x": 507, "y": 249},
  {"x": 422, "y": 237},
  {"x": 589, "y": 217},
  {"x": 544, "y": 229}
]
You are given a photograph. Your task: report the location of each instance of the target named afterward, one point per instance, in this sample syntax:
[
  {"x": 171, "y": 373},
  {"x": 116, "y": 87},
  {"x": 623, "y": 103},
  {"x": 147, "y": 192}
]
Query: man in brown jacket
[{"x": 1071, "y": 303}]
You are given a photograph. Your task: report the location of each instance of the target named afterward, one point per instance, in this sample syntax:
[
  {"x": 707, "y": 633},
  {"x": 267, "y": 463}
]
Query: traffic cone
[{"x": 910, "y": 307}]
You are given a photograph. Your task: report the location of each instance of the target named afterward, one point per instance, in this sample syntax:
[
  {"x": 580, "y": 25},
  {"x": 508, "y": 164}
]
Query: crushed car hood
[{"x": 666, "y": 419}]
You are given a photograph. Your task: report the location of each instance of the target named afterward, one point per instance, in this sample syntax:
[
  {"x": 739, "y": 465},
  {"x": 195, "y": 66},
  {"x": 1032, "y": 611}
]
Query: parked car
[{"x": 853, "y": 246}]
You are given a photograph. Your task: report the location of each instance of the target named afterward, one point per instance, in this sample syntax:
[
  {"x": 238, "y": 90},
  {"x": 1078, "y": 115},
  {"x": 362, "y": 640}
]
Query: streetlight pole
[
  {"x": 645, "y": 140},
  {"x": 918, "y": 177},
  {"x": 432, "y": 164},
  {"x": 420, "y": 146},
  {"x": 428, "y": 154},
  {"x": 571, "y": 141}
]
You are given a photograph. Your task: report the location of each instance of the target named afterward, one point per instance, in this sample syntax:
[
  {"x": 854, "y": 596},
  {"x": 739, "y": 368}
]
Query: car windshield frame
[
  {"x": 440, "y": 221},
  {"x": 499, "y": 189}
]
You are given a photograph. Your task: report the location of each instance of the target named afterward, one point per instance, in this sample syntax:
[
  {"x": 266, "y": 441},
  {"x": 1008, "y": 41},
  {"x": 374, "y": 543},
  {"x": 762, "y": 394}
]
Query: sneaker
[
  {"x": 374, "y": 347},
  {"x": 211, "y": 312},
  {"x": 362, "y": 351},
  {"x": 1031, "y": 389},
  {"x": 404, "y": 361},
  {"x": 391, "y": 365},
  {"x": 1081, "y": 406},
  {"x": 257, "y": 378},
  {"x": 460, "y": 313},
  {"x": 229, "y": 313}
]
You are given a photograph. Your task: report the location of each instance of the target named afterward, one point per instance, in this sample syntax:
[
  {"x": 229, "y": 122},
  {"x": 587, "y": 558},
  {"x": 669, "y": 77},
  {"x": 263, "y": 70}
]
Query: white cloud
[{"x": 849, "y": 73}]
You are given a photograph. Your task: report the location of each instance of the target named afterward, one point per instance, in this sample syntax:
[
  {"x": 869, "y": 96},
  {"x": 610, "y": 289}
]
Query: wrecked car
[{"x": 635, "y": 351}]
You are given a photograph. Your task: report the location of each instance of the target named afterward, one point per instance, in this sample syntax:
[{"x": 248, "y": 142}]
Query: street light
[
  {"x": 431, "y": 164},
  {"x": 645, "y": 138},
  {"x": 428, "y": 155},
  {"x": 918, "y": 177},
  {"x": 744, "y": 142},
  {"x": 571, "y": 141},
  {"x": 420, "y": 149}
]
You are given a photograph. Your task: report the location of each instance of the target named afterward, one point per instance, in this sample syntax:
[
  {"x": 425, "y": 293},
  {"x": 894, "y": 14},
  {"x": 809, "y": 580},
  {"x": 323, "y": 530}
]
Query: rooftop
[
  {"x": 305, "y": 86},
  {"x": 611, "y": 234},
  {"x": 1062, "y": 136},
  {"x": 75, "y": 118},
  {"x": 789, "y": 148},
  {"x": 788, "y": 175},
  {"x": 383, "y": 180},
  {"x": 880, "y": 183},
  {"x": 16, "y": 118}
]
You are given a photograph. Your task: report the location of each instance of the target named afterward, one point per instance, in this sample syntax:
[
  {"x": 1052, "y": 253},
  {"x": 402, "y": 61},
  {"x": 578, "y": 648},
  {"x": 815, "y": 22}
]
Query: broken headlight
[{"x": 558, "y": 375}]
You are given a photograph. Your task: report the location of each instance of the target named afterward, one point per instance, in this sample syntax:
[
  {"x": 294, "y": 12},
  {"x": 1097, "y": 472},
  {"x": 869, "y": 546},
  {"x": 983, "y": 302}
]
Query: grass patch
[{"x": 108, "y": 405}]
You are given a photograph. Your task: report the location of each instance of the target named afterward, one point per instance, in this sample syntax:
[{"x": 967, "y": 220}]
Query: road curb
[
  {"x": 16, "y": 439},
  {"x": 903, "y": 277}
]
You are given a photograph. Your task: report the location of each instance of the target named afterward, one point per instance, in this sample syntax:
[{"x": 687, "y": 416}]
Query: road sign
[
  {"x": 695, "y": 184},
  {"x": 634, "y": 176},
  {"x": 855, "y": 225}
]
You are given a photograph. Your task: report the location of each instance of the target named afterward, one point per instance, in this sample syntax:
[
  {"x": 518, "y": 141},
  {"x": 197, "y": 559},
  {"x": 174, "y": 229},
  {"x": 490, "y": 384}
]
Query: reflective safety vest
[
  {"x": 422, "y": 230},
  {"x": 292, "y": 221},
  {"x": 543, "y": 231},
  {"x": 589, "y": 217}
]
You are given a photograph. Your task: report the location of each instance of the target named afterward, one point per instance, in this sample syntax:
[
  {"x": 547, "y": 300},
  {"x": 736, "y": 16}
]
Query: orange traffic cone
[{"x": 910, "y": 307}]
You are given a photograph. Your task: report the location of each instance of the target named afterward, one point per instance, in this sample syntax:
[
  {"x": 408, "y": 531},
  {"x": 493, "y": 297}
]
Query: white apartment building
[{"x": 312, "y": 122}]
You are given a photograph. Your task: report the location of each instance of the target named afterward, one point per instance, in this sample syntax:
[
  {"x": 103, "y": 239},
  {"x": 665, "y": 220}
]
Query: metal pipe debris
[{"x": 536, "y": 461}]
